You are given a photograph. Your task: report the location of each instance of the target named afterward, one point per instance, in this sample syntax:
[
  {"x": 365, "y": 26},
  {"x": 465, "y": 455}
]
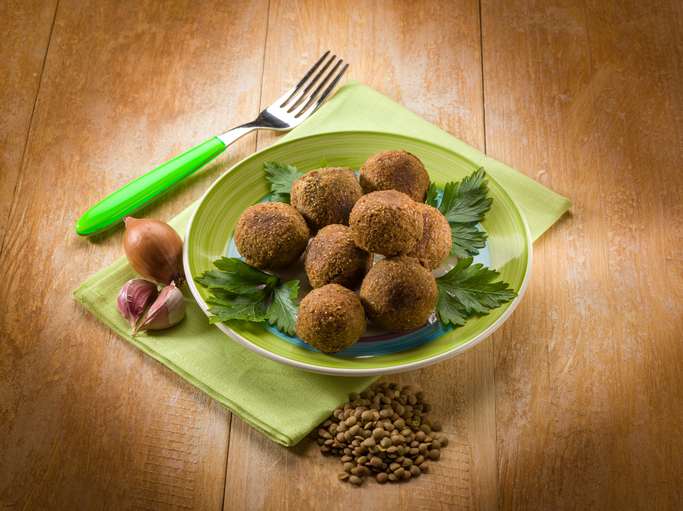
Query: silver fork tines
[
  {"x": 304, "y": 94},
  {"x": 327, "y": 91},
  {"x": 290, "y": 94},
  {"x": 287, "y": 112}
]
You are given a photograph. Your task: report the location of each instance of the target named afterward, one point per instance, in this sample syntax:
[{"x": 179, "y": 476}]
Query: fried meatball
[
  {"x": 331, "y": 318},
  {"x": 386, "y": 223},
  {"x": 436, "y": 242},
  {"x": 271, "y": 235},
  {"x": 326, "y": 196},
  {"x": 398, "y": 294},
  {"x": 395, "y": 170},
  {"x": 332, "y": 257}
]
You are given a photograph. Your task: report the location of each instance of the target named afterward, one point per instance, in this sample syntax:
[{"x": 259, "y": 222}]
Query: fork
[{"x": 289, "y": 111}]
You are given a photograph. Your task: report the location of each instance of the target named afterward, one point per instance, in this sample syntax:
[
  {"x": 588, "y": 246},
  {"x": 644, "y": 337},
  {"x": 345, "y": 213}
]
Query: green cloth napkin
[{"x": 282, "y": 402}]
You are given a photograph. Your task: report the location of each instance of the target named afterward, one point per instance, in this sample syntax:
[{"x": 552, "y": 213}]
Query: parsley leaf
[
  {"x": 242, "y": 292},
  {"x": 252, "y": 306},
  {"x": 432, "y": 195},
  {"x": 466, "y": 201},
  {"x": 278, "y": 197},
  {"x": 281, "y": 178},
  {"x": 467, "y": 240},
  {"x": 284, "y": 310},
  {"x": 235, "y": 276},
  {"x": 474, "y": 287},
  {"x": 322, "y": 164},
  {"x": 449, "y": 309}
]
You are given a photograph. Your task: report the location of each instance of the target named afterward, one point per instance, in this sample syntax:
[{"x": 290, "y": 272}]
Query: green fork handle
[{"x": 142, "y": 191}]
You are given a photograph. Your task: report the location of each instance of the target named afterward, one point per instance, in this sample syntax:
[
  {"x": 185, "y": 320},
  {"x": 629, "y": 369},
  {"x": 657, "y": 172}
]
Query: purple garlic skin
[
  {"x": 134, "y": 298},
  {"x": 168, "y": 310}
]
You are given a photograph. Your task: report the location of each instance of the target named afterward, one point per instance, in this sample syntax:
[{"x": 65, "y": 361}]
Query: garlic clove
[
  {"x": 168, "y": 310},
  {"x": 134, "y": 298},
  {"x": 155, "y": 250}
]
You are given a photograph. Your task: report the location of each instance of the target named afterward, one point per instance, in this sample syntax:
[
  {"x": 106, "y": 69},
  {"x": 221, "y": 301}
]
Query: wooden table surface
[{"x": 575, "y": 403}]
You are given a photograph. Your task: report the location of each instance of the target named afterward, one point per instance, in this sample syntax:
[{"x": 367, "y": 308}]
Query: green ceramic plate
[{"x": 209, "y": 236}]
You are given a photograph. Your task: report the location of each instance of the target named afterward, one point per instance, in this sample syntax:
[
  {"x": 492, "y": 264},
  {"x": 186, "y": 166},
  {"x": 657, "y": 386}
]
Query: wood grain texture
[
  {"x": 88, "y": 421},
  {"x": 264, "y": 475},
  {"x": 575, "y": 403},
  {"x": 26, "y": 27},
  {"x": 395, "y": 49},
  {"x": 589, "y": 387}
]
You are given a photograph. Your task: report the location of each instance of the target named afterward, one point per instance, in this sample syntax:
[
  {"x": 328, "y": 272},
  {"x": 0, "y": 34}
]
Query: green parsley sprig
[
  {"x": 467, "y": 240},
  {"x": 282, "y": 176},
  {"x": 469, "y": 288},
  {"x": 432, "y": 195},
  {"x": 463, "y": 204},
  {"x": 242, "y": 292},
  {"x": 466, "y": 201}
]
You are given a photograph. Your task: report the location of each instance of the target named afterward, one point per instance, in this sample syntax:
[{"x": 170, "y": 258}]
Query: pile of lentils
[{"x": 382, "y": 432}]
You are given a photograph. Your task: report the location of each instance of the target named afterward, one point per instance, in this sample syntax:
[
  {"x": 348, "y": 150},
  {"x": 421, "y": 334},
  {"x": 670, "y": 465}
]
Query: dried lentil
[{"x": 385, "y": 432}]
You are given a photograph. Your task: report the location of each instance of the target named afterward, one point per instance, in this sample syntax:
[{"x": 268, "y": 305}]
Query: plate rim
[{"x": 337, "y": 371}]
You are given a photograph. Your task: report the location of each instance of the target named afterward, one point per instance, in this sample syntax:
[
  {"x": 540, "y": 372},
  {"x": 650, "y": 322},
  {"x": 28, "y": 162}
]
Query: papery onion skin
[
  {"x": 135, "y": 296},
  {"x": 154, "y": 250},
  {"x": 167, "y": 311}
]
